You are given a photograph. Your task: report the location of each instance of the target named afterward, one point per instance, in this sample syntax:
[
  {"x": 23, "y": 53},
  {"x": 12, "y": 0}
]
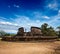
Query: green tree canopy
[
  {"x": 47, "y": 31},
  {"x": 2, "y": 33}
]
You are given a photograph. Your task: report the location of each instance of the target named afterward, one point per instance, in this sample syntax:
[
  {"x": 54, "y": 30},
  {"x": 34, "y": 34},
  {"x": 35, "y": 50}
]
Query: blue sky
[{"x": 27, "y": 13}]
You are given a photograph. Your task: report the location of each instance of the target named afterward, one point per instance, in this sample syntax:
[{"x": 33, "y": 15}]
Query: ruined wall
[
  {"x": 36, "y": 31},
  {"x": 20, "y": 31}
]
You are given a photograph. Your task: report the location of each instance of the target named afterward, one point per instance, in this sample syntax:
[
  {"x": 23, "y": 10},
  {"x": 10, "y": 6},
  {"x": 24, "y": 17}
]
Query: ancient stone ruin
[
  {"x": 34, "y": 34},
  {"x": 34, "y": 31},
  {"x": 20, "y": 32}
]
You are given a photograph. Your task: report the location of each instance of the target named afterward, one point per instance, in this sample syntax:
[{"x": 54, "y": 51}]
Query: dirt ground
[{"x": 28, "y": 47}]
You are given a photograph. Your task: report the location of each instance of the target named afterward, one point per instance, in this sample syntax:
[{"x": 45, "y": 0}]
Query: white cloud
[
  {"x": 46, "y": 17},
  {"x": 2, "y": 18},
  {"x": 9, "y": 27},
  {"x": 27, "y": 22},
  {"x": 58, "y": 12},
  {"x": 38, "y": 21},
  {"x": 8, "y": 23},
  {"x": 38, "y": 15},
  {"x": 55, "y": 20},
  {"x": 53, "y": 5},
  {"x": 17, "y": 6}
]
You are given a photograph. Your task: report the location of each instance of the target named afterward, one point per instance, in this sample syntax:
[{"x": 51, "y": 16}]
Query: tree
[
  {"x": 7, "y": 34},
  {"x": 2, "y": 33},
  {"x": 51, "y": 31},
  {"x": 44, "y": 29},
  {"x": 47, "y": 31},
  {"x": 12, "y": 34},
  {"x": 58, "y": 31}
]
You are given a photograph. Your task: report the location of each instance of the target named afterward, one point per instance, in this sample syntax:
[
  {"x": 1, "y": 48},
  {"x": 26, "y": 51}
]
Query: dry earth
[{"x": 28, "y": 48}]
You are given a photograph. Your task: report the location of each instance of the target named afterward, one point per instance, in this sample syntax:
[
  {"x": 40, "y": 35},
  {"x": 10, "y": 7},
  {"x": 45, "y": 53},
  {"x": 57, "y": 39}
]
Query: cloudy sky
[{"x": 27, "y": 13}]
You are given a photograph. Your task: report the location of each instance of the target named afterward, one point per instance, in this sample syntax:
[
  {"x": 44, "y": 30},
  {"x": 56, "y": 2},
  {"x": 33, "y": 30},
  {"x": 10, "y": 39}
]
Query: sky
[{"x": 27, "y": 13}]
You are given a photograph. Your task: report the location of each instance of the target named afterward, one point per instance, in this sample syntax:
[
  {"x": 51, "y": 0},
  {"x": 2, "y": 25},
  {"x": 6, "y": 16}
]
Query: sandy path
[{"x": 27, "y": 48}]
